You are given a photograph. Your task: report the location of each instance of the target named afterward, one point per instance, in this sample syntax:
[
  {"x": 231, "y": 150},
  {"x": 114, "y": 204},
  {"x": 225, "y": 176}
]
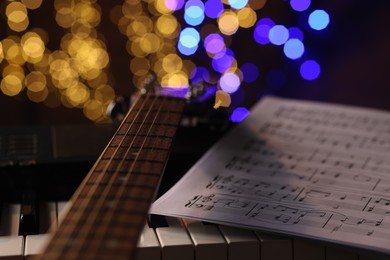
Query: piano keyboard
[{"x": 179, "y": 239}]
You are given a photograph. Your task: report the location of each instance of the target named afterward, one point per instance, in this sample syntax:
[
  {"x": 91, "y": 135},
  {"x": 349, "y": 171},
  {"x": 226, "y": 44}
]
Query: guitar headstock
[{"x": 200, "y": 104}]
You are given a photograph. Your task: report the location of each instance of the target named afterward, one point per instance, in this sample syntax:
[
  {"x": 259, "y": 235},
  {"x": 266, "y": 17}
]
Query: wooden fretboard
[{"x": 109, "y": 209}]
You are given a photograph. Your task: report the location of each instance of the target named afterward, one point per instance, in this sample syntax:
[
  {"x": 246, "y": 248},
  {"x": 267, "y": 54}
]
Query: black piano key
[
  {"x": 156, "y": 221},
  {"x": 29, "y": 214}
]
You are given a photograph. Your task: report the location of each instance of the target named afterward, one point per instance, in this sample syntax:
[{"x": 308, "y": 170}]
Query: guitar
[{"x": 109, "y": 209}]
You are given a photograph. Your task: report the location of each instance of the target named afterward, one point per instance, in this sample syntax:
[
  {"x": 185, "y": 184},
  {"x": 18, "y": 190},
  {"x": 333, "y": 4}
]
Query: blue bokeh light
[
  {"x": 318, "y": 20},
  {"x": 239, "y": 114},
  {"x": 310, "y": 70},
  {"x": 214, "y": 43},
  {"x": 188, "y": 41},
  {"x": 213, "y": 8},
  {"x": 278, "y": 34},
  {"x": 250, "y": 72},
  {"x": 194, "y": 12},
  {"x": 293, "y": 49},
  {"x": 223, "y": 61},
  {"x": 295, "y": 33},
  {"x": 238, "y": 4},
  {"x": 300, "y": 5},
  {"x": 229, "y": 82},
  {"x": 261, "y": 32}
]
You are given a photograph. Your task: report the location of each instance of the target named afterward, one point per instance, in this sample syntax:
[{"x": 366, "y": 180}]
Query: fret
[{"x": 109, "y": 209}]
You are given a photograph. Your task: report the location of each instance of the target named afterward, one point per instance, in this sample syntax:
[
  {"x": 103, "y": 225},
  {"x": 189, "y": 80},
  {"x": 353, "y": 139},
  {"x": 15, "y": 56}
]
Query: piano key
[
  {"x": 10, "y": 220},
  {"x": 242, "y": 243},
  {"x": 208, "y": 241},
  {"x": 148, "y": 246},
  {"x": 174, "y": 240},
  {"x": 29, "y": 214},
  {"x": 34, "y": 244},
  {"x": 307, "y": 250},
  {"x": 11, "y": 245},
  {"x": 47, "y": 216},
  {"x": 274, "y": 247},
  {"x": 338, "y": 253},
  {"x": 62, "y": 209}
]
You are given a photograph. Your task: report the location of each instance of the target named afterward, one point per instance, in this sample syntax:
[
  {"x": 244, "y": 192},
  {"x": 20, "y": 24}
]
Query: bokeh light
[
  {"x": 293, "y": 49},
  {"x": 239, "y": 114},
  {"x": 318, "y": 20},
  {"x": 160, "y": 34},
  {"x": 300, "y": 5},
  {"x": 278, "y": 34},
  {"x": 263, "y": 27},
  {"x": 310, "y": 70}
]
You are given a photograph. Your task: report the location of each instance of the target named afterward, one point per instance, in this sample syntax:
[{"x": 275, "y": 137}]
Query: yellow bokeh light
[
  {"x": 228, "y": 23},
  {"x": 87, "y": 14},
  {"x": 32, "y": 4},
  {"x": 38, "y": 96},
  {"x": 134, "y": 48},
  {"x": 172, "y": 63},
  {"x": 139, "y": 66},
  {"x": 167, "y": 26},
  {"x": 161, "y": 7},
  {"x": 132, "y": 9},
  {"x": 257, "y": 4},
  {"x": 11, "y": 85},
  {"x": 94, "y": 110},
  {"x": 104, "y": 94},
  {"x": 150, "y": 43},
  {"x": 140, "y": 26},
  {"x": 1, "y": 52},
  {"x": 247, "y": 17},
  {"x": 77, "y": 94},
  {"x": 175, "y": 80},
  {"x": 35, "y": 81},
  {"x": 33, "y": 46},
  {"x": 65, "y": 17}
]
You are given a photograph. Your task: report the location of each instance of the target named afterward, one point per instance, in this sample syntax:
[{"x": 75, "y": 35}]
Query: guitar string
[
  {"x": 100, "y": 203},
  {"x": 108, "y": 216},
  {"x": 89, "y": 195}
]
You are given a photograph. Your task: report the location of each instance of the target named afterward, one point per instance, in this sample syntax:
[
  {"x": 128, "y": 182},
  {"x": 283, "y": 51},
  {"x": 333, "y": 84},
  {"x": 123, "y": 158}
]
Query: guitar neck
[{"x": 109, "y": 209}]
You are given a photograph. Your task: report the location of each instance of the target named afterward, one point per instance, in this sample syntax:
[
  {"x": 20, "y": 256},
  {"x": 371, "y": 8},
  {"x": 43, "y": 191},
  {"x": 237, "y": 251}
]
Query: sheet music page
[{"x": 295, "y": 167}]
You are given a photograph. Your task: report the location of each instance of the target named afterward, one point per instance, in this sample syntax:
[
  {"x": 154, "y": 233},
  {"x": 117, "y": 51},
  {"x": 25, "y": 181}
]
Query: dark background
[{"x": 353, "y": 52}]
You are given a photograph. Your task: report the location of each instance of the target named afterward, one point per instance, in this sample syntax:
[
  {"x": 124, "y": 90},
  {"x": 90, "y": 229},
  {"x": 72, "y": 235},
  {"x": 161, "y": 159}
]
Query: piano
[{"x": 29, "y": 212}]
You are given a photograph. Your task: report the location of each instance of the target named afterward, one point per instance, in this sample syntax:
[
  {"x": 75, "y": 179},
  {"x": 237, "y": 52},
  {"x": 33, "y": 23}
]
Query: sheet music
[{"x": 295, "y": 167}]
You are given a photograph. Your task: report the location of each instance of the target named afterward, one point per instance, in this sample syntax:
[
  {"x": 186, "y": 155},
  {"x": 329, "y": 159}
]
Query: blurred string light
[
  {"x": 75, "y": 75},
  {"x": 159, "y": 42},
  {"x": 215, "y": 37}
]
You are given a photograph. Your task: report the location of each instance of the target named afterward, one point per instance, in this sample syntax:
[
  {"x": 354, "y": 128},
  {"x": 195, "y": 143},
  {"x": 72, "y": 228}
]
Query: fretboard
[{"x": 110, "y": 207}]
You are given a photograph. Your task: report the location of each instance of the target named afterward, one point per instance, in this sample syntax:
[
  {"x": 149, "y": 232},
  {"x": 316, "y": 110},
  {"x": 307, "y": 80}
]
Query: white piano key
[
  {"x": 47, "y": 216},
  {"x": 11, "y": 245},
  {"x": 242, "y": 243},
  {"x": 62, "y": 209},
  {"x": 308, "y": 250},
  {"x": 208, "y": 241},
  {"x": 274, "y": 247},
  {"x": 175, "y": 242},
  {"x": 148, "y": 247},
  {"x": 336, "y": 253},
  {"x": 35, "y": 244}
]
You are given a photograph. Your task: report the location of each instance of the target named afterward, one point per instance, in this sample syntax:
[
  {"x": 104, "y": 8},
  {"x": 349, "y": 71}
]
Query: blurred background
[{"x": 63, "y": 62}]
